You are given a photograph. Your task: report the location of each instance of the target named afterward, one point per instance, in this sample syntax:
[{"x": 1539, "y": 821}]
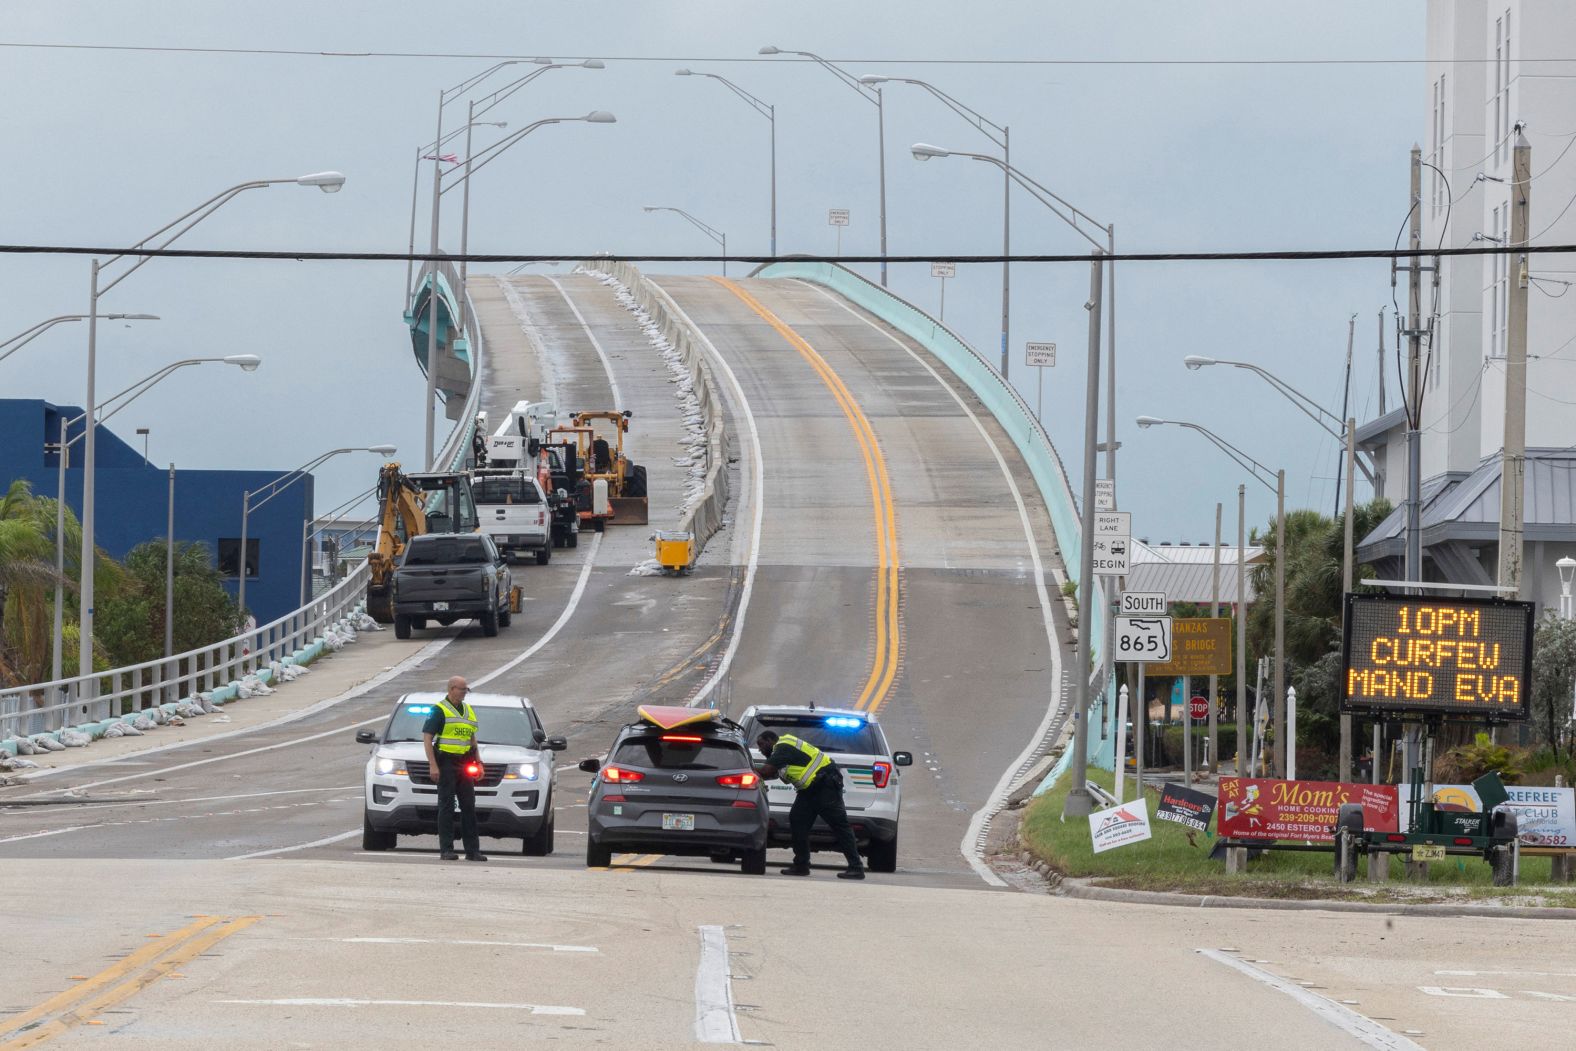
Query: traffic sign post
[
  {"x": 838, "y": 217},
  {"x": 943, "y": 271},
  {"x": 1040, "y": 356}
]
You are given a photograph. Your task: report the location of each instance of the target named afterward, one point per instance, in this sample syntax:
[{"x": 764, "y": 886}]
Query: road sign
[
  {"x": 837, "y": 217},
  {"x": 1143, "y": 603},
  {"x": 1105, "y": 494},
  {"x": 1040, "y": 355},
  {"x": 1112, "y": 556},
  {"x": 941, "y": 269},
  {"x": 1200, "y": 646},
  {"x": 1198, "y": 708},
  {"x": 1113, "y": 523},
  {"x": 1143, "y": 639}
]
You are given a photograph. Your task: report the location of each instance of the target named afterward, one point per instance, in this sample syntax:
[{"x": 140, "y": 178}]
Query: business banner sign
[
  {"x": 1119, "y": 825},
  {"x": 1545, "y": 817},
  {"x": 1266, "y": 808},
  {"x": 1186, "y": 807}
]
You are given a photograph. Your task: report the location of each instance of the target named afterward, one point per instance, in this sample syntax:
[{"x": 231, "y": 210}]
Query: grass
[{"x": 1170, "y": 862}]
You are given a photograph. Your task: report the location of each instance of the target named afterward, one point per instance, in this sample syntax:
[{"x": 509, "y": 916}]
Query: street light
[
  {"x": 871, "y": 95},
  {"x": 764, "y": 109},
  {"x": 248, "y": 362},
  {"x": 429, "y": 153},
  {"x": 1263, "y": 474},
  {"x": 1001, "y": 136},
  {"x": 710, "y": 231},
  {"x": 328, "y": 182},
  {"x": 1567, "y": 568},
  {"x": 473, "y": 164},
  {"x": 273, "y": 489},
  {"x": 27, "y": 335}
]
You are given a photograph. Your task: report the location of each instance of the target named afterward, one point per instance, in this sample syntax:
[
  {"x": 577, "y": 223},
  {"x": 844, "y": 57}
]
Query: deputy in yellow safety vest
[
  {"x": 449, "y": 736},
  {"x": 818, "y": 793}
]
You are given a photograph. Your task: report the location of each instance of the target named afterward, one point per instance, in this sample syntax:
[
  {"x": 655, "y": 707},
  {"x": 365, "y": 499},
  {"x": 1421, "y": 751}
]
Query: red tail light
[
  {"x": 1463, "y": 841},
  {"x": 614, "y": 799},
  {"x": 739, "y": 780},
  {"x": 619, "y": 776},
  {"x": 744, "y": 804},
  {"x": 681, "y": 738},
  {"x": 880, "y": 773},
  {"x": 1396, "y": 837},
  {"x": 473, "y": 771}
]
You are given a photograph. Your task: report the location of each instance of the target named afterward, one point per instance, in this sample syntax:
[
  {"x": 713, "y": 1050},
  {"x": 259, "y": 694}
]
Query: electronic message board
[{"x": 1457, "y": 657}]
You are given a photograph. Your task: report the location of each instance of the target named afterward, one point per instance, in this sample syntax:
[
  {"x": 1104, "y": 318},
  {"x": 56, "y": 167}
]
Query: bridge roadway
[{"x": 893, "y": 573}]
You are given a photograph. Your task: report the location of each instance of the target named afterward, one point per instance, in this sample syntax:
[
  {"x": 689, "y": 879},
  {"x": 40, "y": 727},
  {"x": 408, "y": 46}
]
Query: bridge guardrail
[{"x": 1003, "y": 401}]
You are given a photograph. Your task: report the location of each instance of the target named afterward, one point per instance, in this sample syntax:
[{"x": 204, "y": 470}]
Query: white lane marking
[
  {"x": 596, "y": 344},
  {"x": 757, "y": 496},
  {"x": 455, "y": 941},
  {"x": 1465, "y": 992},
  {"x": 325, "y": 841},
  {"x": 1360, "y": 1028},
  {"x": 563, "y": 618},
  {"x": 1535, "y": 974},
  {"x": 429, "y": 650},
  {"x": 993, "y": 803},
  {"x": 112, "y": 805},
  {"x": 49, "y": 832},
  {"x": 343, "y": 1001},
  {"x": 715, "y": 1022},
  {"x": 533, "y": 336}
]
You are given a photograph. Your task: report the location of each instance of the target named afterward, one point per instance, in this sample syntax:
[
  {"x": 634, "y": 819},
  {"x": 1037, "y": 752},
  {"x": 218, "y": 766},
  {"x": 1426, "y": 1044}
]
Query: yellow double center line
[
  {"x": 117, "y": 982},
  {"x": 888, "y": 627}
]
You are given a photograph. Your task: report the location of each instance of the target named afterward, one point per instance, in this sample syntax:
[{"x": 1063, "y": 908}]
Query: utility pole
[
  {"x": 1380, "y": 345},
  {"x": 1214, "y": 611},
  {"x": 1348, "y": 454},
  {"x": 1346, "y": 402},
  {"x": 1243, "y": 744},
  {"x": 1414, "y": 392},
  {"x": 1513, "y": 459}
]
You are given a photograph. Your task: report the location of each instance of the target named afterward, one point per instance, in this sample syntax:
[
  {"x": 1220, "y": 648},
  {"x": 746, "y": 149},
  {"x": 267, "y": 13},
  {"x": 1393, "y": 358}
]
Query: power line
[
  {"x": 500, "y": 56},
  {"x": 1283, "y": 255}
]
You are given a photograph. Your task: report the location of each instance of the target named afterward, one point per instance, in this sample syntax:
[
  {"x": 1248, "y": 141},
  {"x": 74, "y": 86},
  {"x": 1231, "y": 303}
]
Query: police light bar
[
  {"x": 844, "y": 722},
  {"x": 419, "y": 709}
]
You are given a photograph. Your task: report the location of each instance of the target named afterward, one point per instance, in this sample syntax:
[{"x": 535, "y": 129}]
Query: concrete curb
[{"x": 1083, "y": 889}]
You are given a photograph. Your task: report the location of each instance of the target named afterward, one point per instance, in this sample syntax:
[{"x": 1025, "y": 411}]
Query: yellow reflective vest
[
  {"x": 459, "y": 728},
  {"x": 802, "y": 776}
]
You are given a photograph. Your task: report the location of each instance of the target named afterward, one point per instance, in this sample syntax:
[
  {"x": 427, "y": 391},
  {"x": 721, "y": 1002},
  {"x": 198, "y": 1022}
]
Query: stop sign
[{"x": 1198, "y": 708}]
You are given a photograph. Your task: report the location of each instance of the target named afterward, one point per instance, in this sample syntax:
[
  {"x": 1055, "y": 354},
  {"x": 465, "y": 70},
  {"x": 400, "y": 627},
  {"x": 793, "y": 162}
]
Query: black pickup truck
[{"x": 448, "y": 577}]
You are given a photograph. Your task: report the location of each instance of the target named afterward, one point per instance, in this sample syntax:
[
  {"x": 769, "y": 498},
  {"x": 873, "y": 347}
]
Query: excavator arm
[{"x": 400, "y": 517}]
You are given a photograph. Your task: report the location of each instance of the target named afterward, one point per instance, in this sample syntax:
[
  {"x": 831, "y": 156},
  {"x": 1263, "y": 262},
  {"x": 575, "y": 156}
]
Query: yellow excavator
[
  {"x": 614, "y": 489},
  {"x": 408, "y": 506}
]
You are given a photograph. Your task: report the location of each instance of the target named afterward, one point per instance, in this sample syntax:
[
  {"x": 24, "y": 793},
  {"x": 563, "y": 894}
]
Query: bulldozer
[
  {"x": 614, "y": 489},
  {"x": 410, "y": 505}
]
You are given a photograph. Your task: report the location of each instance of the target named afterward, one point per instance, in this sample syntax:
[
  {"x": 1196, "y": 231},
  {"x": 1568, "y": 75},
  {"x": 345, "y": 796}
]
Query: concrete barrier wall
[
  {"x": 705, "y": 516},
  {"x": 1004, "y": 403}
]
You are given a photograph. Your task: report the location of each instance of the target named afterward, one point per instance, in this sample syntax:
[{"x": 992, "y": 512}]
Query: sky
[{"x": 1183, "y": 150}]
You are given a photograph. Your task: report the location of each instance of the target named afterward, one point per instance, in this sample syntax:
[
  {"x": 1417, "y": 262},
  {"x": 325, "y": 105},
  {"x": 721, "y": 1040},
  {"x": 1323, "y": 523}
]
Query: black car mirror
[
  {"x": 366, "y": 737},
  {"x": 558, "y": 744},
  {"x": 590, "y": 766},
  {"x": 903, "y": 758}
]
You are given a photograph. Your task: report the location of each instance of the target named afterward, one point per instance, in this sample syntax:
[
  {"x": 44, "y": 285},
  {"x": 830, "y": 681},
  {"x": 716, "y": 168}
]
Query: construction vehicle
[
  {"x": 411, "y": 505},
  {"x": 615, "y": 489}
]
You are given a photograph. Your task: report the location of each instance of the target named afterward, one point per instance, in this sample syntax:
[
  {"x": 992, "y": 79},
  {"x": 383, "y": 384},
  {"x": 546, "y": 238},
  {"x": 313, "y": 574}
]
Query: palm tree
[{"x": 27, "y": 573}]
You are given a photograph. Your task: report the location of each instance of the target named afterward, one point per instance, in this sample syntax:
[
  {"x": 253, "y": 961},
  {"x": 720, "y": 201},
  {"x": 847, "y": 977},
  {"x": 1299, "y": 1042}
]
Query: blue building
[{"x": 132, "y": 502}]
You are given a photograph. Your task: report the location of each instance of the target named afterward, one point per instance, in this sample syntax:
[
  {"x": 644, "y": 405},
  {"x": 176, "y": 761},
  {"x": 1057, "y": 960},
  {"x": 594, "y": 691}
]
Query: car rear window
[
  {"x": 671, "y": 754},
  {"x": 830, "y": 733},
  {"x": 505, "y": 491},
  {"x": 446, "y": 551}
]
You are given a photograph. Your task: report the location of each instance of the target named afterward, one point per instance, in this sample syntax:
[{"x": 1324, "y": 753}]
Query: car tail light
[
  {"x": 738, "y": 780},
  {"x": 1463, "y": 841},
  {"x": 619, "y": 776},
  {"x": 1396, "y": 837},
  {"x": 744, "y": 804},
  {"x": 681, "y": 738},
  {"x": 613, "y": 799},
  {"x": 880, "y": 773}
]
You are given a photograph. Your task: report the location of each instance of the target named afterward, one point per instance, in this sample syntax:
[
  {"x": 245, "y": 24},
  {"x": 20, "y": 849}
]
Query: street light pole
[
  {"x": 715, "y": 234},
  {"x": 1079, "y": 802},
  {"x": 764, "y": 109},
  {"x": 169, "y": 570}
]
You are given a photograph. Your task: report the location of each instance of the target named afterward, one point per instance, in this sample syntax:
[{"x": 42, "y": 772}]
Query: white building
[{"x": 1486, "y": 86}]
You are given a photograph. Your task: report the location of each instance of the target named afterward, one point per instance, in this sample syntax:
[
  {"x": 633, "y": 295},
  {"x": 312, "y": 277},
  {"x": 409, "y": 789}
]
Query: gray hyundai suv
[{"x": 681, "y": 782}]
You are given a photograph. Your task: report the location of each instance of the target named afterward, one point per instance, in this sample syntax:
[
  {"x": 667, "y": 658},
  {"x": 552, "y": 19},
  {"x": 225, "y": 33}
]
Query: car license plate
[
  {"x": 439, "y": 607},
  {"x": 1428, "y": 852},
  {"x": 678, "y": 822}
]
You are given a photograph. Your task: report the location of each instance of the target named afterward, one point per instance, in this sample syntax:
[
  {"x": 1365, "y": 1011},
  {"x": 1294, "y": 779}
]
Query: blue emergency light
[
  {"x": 844, "y": 722},
  {"x": 419, "y": 709}
]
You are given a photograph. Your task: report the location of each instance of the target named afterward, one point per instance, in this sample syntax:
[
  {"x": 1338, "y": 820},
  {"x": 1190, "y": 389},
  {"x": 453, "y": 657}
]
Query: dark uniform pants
[
  {"x": 452, "y": 784},
  {"x": 824, "y": 800}
]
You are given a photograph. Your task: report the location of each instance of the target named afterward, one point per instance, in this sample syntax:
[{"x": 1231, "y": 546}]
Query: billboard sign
[
  {"x": 1266, "y": 808},
  {"x": 1545, "y": 817},
  {"x": 1406, "y": 655},
  {"x": 1199, "y": 646}
]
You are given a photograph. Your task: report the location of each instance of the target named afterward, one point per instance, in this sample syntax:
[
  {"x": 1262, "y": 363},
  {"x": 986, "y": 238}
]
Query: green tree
[
  {"x": 130, "y": 625},
  {"x": 1553, "y": 673},
  {"x": 27, "y": 572}
]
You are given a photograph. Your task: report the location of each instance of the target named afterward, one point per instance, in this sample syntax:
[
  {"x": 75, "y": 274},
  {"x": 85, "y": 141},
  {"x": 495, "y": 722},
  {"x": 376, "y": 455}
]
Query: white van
[{"x": 512, "y": 509}]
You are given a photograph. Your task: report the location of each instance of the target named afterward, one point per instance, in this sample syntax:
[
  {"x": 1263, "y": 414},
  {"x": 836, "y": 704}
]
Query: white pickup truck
[{"x": 512, "y": 509}]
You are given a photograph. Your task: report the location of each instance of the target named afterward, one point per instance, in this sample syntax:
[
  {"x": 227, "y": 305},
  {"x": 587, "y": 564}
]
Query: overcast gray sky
[{"x": 110, "y": 145}]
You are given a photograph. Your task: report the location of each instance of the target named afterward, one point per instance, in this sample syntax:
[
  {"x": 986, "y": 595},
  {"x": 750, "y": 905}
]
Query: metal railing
[{"x": 81, "y": 699}]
